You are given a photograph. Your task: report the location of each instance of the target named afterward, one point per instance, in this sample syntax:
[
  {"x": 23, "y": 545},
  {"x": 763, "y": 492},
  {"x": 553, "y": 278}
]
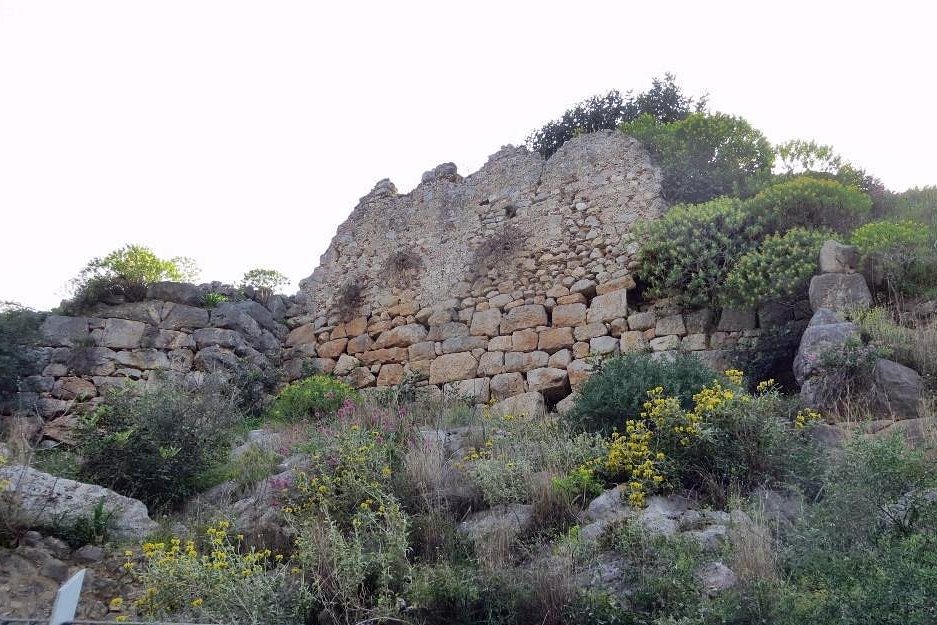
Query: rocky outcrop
[{"x": 43, "y": 500}]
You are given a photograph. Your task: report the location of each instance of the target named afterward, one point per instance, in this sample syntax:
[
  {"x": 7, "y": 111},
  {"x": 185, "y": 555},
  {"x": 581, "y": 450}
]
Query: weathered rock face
[
  {"x": 839, "y": 291},
  {"x": 46, "y": 500}
]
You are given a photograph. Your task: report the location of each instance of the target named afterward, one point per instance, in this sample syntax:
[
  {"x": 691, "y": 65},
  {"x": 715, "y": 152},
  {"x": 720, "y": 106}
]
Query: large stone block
[
  {"x": 491, "y": 363},
  {"x": 555, "y": 339},
  {"x": 579, "y": 371},
  {"x": 228, "y": 339},
  {"x": 603, "y": 345},
  {"x": 401, "y": 336},
  {"x": 524, "y": 341},
  {"x": 390, "y": 374},
  {"x": 379, "y": 356},
  {"x": 570, "y": 315},
  {"x": 838, "y": 258},
  {"x": 144, "y": 359},
  {"x": 615, "y": 284},
  {"x": 525, "y": 361},
  {"x": 634, "y": 341},
  {"x": 464, "y": 344},
  {"x": 607, "y": 307},
  {"x": 61, "y": 331},
  {"x": 302, "y": 335},
  {"x": 839, "y": 291},
  {"x": 477, "y": 390},
  {"x": 182, "y": 317},
  {"x": 420, "y": 351},
  {"x": 524, "y": 405},
  {"x": 452, "y": 368},
  {"x": 122, "y": 334},
  {"x": 552, "y": 383},
  {"x": 179, "y": 292},
  {"x": 74, "y": 388},
  {"x": 486, "y": 322},
  {"x": 642, "y": 321},
  {"x": 447, "y": 330},
  {"x": 590, "y": 331},
  {"x": 901, "y": 390},
  {"x": 522, "y": 317},
  {"x": 506, "y": 385},
  {"x": 733, "y": 320},
  {"x": 672, "y": 324},
  {"x": 817, "y": 340},
  {"x": 331, "y": 349}
]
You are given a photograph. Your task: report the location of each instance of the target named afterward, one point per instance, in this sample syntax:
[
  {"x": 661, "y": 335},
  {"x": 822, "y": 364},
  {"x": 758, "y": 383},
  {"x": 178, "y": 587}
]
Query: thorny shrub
[{"x": 311, "y": 398}]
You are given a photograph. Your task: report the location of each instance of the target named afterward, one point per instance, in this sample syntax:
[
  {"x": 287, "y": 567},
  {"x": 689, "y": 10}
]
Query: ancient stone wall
[
  {"x": 507, "y": 281},
  {"x": 170, "y": 334}
]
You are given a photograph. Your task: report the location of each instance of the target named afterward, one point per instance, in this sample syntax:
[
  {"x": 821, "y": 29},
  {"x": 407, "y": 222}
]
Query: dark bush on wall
[
  {"x": 811, "y": 202},
  {"x": 705, "y": 156},
  {"x": 617, "y": 391},
  {"x": 664, "y": 102},
  {"x": 155, "y": 443}
]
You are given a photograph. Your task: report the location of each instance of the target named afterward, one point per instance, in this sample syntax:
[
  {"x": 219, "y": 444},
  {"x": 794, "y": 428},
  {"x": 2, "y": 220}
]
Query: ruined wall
[
  {"x": 170, "y": 334},
  {"x": 516, "y": 275}
]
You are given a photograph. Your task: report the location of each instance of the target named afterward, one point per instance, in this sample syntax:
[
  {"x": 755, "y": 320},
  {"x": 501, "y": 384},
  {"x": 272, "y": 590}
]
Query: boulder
[
  {"x": 144, "y": 359},
  {"x": 816, "y": 340},
  {"x": 716, "y": 578},
  {"x": 552, "y": 383},
  {"x": 554, "y": 339},
  {"x": 733, "y": 320},
  {"x": 838, "y": 258},
  {"x": 642, "y": 321},
  {"x": 569, "y": 315},
  {"x": 61, "y": 331},
  {"x": 476, "y": 390},
  {"x": 179, "y": 292},
  {"x": 526, "y": 404},
  {"x": 228, "y": 339},
  {"x": 182, "y": 317},
  {"x": 901, "y": 390},
  {"x": 506, "y": 385},
  {"x": 447, "y": 330},
  {"x": 497, "y": 523},
  {"x": 122, "y": 334},
  {"x": 47, "y": 500},
  {"x": 302, "y": 335},
  {"x": 672, "y": 324},
  {"x": 839, "y": 292},
  {"x": 486, "y": 323},
  {"x": 73, "y": 388}
]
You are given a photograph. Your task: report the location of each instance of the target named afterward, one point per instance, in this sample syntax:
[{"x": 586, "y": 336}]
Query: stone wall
[
  {"x": 506, "y": 281},
  {"x": 169, "y": 334}
]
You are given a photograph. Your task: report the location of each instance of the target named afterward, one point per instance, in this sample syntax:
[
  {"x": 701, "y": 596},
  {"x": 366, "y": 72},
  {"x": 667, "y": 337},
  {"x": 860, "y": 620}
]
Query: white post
[{"x": 66, "y": 600}]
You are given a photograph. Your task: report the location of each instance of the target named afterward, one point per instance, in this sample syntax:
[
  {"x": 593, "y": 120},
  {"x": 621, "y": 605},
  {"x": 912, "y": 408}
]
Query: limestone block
[
  {"x": 452, "y": 368},
  {"x": 522, "y": 317},
  {"x": 579, "y": 371},
  {"x": 555, "y": 339},
  {"x": 422, "y": 351},
  {"x": 447, "y": 330},
  {"x": 390, "y": 354},
  {"x": 569, "y": 315},
  {"x": 476, "y": 389},
  {"x": 181, "y": 317},
  {"x": 61, "y": 331},
  {"x": 699, "y": 321},
  {"x": 586, "y": 287},
  {"x": 665, "y": 343},
  {"x": 560, "y": 359},
  {"x": 401, "y": 336},
  {"x": 501, "y": 344},
  {"x": 838, "y": 258},
  {"x": 694, "y": 342},
  {"x": 603, "y": 345},
  {"x": 589, "y": 331},
  {"x": 143, "y": 359},
  {"x": 74, "y": 388},
  {"x": 506, "y": 385},
  {"x": 525, "y": 361},
  {"x": 553, "y": 383},
  {"x": 736, "y": 320},
  {"x": 122, "y": 334},
  {"x": 524, "y": 341},
  {"x": 486, "y": 322},
  {"x": 333, "y": 349},
  {"x": 642, "y": 320},
  {"x": 528, "y": 404},
  {"x": 360, "y": 343},
  {"x": 633, "y": 341},
  {"x": 390, "y": 375},
  {"x": 491, "y": 363},
  {"x": 608, "y": 307},
  {"x": 672, "y": 324},
  {"x": 839, "y": 291},
  {"x": 346, "y": 364}
]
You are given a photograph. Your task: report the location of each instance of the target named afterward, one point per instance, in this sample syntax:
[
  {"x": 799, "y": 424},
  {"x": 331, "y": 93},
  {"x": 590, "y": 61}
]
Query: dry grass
[
  {"x": 910, "y": 341},
  {"x": 755, "y": 551}
]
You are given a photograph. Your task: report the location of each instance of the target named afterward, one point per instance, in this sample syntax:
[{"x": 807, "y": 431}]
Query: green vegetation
[
  {"x": 310, "y": 398},
  {"x": 688, "y": 252},
  {"x": 779, "y": 270},
  {"x": 617, "y": 391},
  {"x": 810, "y": 202},
  {"x": 124, "y": 275},
  {"x": 664, "y": 103},
  {"x": 155, "y": 443},
  {"x": 705, "y": 156},
  {"x": 19, "y": 330},
  {"x": 904, "y": 251}
]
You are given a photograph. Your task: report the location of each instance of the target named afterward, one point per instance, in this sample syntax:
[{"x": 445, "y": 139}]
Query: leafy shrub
[
  {"x": 777, "y": 271},
  {"x": 705, "y": 156},
  {"x": 917, "y": 204},
  {"x": 618, "y": 389},
  {"x": 124, "y": 274},
  {"x": 215, "y": 579},
  {"x": 264, "y": 281},
  {"x": 19, "y": 331},
  {"x": 154, "y": 443},
  {"x": 842, "y": 385},
  {"x": 310, "y": 398},
  {"x": 212, "y": 299},
  {"x": 798, "y": 157},
  {"x": 688, "y": 252},
  {"x": 664, "y": 102},
  {"x": 912, "y": 344},
  {"x": 811, "y": 202},
  {"x": 906, "y": 252}
]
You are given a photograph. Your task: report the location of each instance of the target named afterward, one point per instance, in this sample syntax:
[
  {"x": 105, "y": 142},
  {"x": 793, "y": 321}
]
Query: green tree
[
  {"x": 265, "y": 281},
  {"x": 125, "y": 273},
  {"x": 811, "y": 202},
  {"x": 705, "y": 156},
  {"x": 19, "y": 330}
]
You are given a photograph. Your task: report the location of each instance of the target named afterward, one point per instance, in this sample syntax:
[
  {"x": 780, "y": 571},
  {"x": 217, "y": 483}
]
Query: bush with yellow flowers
[
  {"x": 728, "y": 440},
  {"x": 217, "y": 579}
]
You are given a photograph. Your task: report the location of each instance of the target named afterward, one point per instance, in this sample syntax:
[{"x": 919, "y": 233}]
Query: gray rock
[
  {"x": 501, "y": 520},
  {"x": 839, "y": 291},
  {"x": 526, "y": 404},
  {"x": 816, "y": 340},
  {"x": 122, "y": 334},
  {"x": 774, "y": 314},
  {"x": 736, "y": 320},
  {"x": 901, "y": 390},
  {"x": 46, "y": 500},
  {"x": 218, "y": 337},
  {"x": 182, "y": 317},
  {"x": 60, "y": 331},
  {"x": 88, "y": 554},
  {"x": 838, "y": 258},
  {"x": 178, "y": 292},
  {"x": 716, "y": 578}
]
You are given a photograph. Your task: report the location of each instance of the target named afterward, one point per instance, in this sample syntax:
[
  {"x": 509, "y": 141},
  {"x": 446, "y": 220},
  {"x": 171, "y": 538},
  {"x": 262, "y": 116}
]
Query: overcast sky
[{"x": 242, "y": 133}]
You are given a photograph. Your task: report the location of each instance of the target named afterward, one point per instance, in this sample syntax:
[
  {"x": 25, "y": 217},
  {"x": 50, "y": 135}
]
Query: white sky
[{"x": 242, "y": 133}]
